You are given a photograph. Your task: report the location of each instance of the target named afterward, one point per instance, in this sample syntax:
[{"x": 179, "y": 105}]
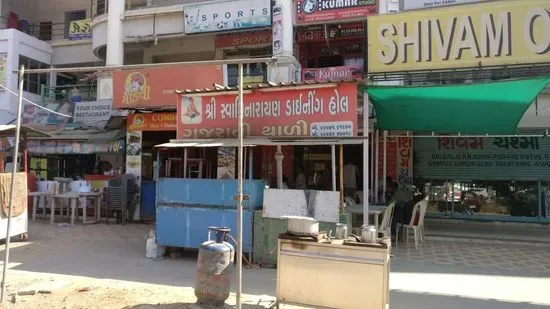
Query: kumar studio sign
[{"x": 494, "y": 33}]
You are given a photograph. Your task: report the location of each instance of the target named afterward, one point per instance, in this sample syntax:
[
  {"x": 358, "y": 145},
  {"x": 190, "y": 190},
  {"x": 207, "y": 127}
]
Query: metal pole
[
  {"x": 365, "y": 159},
  {"x": 341, "y": 178},
  {"x": 12, "y": 192},
  {"x": 240, "y": 193},
  {"x": 333, "y": 163},
  {"x": 371, "y": 152},
  {"x": 385, "y": 167},
  {"x": 185, "y": 162}
]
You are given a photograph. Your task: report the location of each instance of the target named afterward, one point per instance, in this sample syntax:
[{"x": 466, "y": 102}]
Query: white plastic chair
[
  {"x": 419, "y": 210},
  {"x": 385, "y": 226}
]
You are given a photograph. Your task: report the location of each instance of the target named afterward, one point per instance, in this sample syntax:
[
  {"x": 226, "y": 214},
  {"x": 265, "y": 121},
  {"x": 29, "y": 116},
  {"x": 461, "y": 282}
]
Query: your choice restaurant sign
[
  {"x": 487, "y": 158},
  {"x": 492, "y": 33},
  {"x": 321, "y": 112}
]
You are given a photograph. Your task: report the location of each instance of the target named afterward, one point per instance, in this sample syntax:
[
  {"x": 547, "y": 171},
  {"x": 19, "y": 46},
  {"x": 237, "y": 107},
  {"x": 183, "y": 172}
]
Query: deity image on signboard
[
  {"x": 136, "y": 89},
  {"x": 191, "y": 110}
]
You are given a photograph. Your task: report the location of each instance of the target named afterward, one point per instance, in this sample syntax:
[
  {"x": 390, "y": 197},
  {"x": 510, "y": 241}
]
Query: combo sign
[{"x": 487, "y": 34}]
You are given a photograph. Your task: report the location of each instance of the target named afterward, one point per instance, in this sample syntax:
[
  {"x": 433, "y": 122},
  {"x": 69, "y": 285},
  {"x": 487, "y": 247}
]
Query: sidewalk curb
[{"x": 478, "y": 240}]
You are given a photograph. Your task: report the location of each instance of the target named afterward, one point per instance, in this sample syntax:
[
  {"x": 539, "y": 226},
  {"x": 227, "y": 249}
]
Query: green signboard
[{"x": 482, "y": 158}]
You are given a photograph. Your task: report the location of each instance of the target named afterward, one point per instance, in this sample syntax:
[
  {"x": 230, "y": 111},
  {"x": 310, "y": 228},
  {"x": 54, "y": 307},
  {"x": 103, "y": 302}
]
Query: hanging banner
[
  {"x": 477, "y": 35},
  {"x": 319, "y": 11},
  {"x": 429, "y": 4},
  {"x": 405, "y": 160},
  {"x": 244, "y": 38},
  {"x": 333, "y": 73},
  {"x": 72, "y": 147},
  {"x": 157, "y": 87},
  {"x": 321, "y": 112},
  {"x": 80, "y": 30},
  {"x": 33, "y": 114},
  {"x": 228, "y": 15},
  {"x": 332, "y": 33},
  {"x": 92, "y": 112},
  {"x": 152, "y": 122}
]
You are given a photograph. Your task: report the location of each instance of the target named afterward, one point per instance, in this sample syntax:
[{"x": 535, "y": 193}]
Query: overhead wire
[{"x": 35, "y": 104}]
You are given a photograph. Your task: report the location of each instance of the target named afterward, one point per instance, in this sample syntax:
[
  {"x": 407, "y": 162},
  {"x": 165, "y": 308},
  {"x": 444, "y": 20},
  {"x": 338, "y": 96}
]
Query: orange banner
[
  {"x": 157, "y": 87},
  {"x": 152, "y": 122}
]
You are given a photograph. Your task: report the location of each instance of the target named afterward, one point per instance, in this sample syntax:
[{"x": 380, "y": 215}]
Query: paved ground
[{"x": 106, "y": 263}]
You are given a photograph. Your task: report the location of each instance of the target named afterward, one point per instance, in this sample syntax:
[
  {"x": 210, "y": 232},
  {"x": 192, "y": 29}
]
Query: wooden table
[
  {"x": 40, "y": 198},
  {"x": 74, "y": 199}
]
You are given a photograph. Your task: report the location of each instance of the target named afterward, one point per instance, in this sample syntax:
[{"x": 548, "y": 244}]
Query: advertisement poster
[
  {"x": 3, "y": 69},
  {"x": 428, "y": 4},
  {"x": 157, "y": 87},
  {"x": 483, "y": 158},
  {"x": 80, "y": 30},
  {"x": 33, "y": 114},
  {"x": 322, "y": 112},
  {"x": 277, "y": 29},
  {"x": 404, "y": 160},
  {"x": 229, "y": 15},
  {"x": 494, "y": 33},
  {"x": 92, "y": 112},
  {"x": 226, "y": 162},
  {"x": 333, "y": 73},
  {"x": 152, "y": 122},
  {"x": 332, "y": 33},
  {"x": 316, "y": 11},
  {"x": 244, "y": 38}
]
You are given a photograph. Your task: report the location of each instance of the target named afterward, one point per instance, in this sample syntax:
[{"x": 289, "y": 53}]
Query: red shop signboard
[
  {"x": 319, "y": 112},
  {"x": 316, "y": 11},
  {"x": 245, "y": 38}
]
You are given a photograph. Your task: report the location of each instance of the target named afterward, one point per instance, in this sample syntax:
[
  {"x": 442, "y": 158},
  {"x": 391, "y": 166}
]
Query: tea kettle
[
  {"x": 369, "y": 234},
  {"x": 341, "y": 231}
]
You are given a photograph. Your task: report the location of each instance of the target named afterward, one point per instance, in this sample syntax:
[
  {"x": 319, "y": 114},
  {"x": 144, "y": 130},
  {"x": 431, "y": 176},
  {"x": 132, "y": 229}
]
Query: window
[
  {"x": 253, "y": 73},
  {"x": 100, "y": 7},
  {"x": 33, "y": 81},
  {"x": 72, "y": 16},
  {"x": 45, "y": 31}
]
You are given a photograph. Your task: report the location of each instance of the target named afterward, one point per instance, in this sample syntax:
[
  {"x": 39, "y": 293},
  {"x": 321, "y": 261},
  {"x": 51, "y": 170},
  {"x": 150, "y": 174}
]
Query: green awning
[{"x": 493, "y": 108}]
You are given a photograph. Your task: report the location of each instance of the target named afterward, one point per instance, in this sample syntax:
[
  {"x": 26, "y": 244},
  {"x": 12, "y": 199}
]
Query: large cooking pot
[{"x": 302, "y": 226}]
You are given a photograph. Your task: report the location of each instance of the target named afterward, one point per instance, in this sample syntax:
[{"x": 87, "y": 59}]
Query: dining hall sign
[
  {"x": 328, "y": 111},
  {"x": 495, "y": 33}
]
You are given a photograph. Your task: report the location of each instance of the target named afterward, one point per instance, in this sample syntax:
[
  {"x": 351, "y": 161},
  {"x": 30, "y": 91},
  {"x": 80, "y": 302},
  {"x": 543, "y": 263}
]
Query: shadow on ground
[
  {"x": 408, "y": 300},
  {"x": 192, "y": 306}
]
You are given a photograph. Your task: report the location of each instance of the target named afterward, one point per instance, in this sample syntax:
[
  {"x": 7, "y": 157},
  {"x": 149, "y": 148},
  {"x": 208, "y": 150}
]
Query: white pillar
[
  {"x": 333, "y": 163},
  {"x": 365, "y": 158},
  {"x": 376, "y": 161},
  {"x": 115, "y": 35},
  {"x": 371, "y": 170},
  {"x": 385, "y": 167},
  {"x": 279, "y": 156},
  {"x": 287, "y": 68}
]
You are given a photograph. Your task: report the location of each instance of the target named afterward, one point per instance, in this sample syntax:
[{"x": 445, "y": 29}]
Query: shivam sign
[{"x": 485, "y": 34}]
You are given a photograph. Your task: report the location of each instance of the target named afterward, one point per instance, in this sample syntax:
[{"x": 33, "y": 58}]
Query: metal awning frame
[{"x": 262, "y": 141}]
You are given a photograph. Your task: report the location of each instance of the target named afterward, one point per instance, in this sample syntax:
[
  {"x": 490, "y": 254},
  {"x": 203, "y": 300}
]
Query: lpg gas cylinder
[{"x": 214, "y": 269}]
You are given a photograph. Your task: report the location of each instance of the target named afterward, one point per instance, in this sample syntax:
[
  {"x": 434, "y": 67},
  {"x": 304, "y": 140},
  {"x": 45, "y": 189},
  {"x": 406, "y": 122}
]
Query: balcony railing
[
  {"x": 59, "y": 94},
  {"x": 140, "y": 4},
  {"x": 50, "y": 31}
]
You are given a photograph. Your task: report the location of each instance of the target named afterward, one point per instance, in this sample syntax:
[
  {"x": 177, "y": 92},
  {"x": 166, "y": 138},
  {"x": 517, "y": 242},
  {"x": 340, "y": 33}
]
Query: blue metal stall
[{"x": 186, "y": 207}]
